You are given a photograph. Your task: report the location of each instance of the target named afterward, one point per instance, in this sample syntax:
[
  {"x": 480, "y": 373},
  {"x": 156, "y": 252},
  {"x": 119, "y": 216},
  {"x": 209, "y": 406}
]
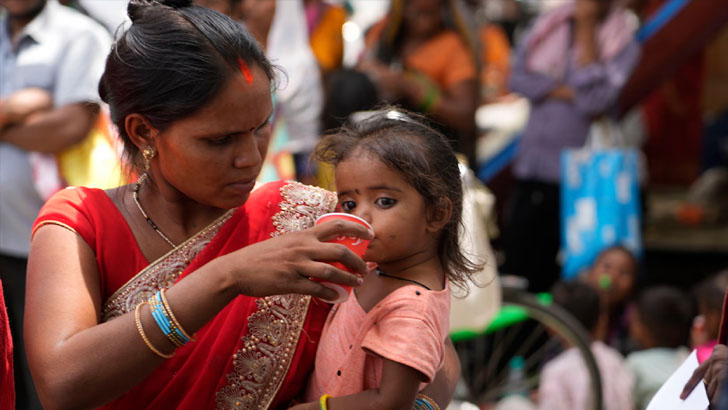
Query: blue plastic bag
[{"x": 600, "y": 203}]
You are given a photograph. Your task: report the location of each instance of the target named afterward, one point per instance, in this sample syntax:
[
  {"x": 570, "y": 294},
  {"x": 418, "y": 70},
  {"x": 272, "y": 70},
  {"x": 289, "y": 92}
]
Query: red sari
[
  {"x": 7, "y": 380},
  {"x": 257, "y": 352}
]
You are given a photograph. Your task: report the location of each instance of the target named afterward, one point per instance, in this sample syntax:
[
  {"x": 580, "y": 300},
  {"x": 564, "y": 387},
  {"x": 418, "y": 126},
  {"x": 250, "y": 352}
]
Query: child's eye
[
  {"x": 348, "y": 206},
  {"x": 385, "y": 202}
]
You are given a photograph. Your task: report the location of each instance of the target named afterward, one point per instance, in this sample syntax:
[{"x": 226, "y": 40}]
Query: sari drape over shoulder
[{"x": 257, "y": 352}]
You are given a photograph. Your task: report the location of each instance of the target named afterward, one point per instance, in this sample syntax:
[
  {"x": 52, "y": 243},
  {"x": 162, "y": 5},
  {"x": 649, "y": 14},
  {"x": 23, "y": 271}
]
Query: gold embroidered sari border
[
  {"x": 183, "y": 253},
  {"x": 274, "y": 331},
  {"x": 306, "y": 301}
]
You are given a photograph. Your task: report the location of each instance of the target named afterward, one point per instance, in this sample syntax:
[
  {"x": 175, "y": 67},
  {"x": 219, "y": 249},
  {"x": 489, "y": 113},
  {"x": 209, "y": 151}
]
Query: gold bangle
[
  {"x": 174, "y": 319},
  {"x": 324, "y": 402},
  {"x": 151, "y": 347}
]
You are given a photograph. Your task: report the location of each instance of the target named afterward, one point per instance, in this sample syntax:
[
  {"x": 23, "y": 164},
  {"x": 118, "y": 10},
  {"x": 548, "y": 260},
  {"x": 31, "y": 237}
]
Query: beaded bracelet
[
  {"x": 163, "y": 296},
  {"x": 324, "y": 402},
  {"x": 138, "y": 320},
  {"x": 163, "y": 322},
  {"x": 423, "y": 402},
  {"x": 166, "y": 321}
]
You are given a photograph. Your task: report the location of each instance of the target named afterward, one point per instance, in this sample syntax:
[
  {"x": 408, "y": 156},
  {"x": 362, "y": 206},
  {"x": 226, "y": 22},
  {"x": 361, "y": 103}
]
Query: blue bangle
[
  {"x": 423, "y": 402},
  {"x": 170, "y": 320},
  {"x": 161, "y": 316}
]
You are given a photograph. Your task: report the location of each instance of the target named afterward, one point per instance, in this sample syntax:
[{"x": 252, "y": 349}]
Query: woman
[
  {"x": 571, "y": 66},
  {"x": 223, "y": 316},
  {"x": 415, "y": 58}
]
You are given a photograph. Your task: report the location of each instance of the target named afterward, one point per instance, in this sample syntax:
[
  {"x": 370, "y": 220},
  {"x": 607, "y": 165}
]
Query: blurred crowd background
[{"x": 494, "y": 76}]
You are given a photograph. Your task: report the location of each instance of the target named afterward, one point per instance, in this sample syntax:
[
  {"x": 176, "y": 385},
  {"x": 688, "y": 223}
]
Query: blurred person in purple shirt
[{"x": 571, "y": 66}]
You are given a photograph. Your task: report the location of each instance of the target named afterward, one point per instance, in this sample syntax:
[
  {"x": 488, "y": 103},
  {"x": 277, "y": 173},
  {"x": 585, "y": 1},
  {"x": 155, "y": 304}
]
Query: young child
[
  {"x": 564, "y": 379},
  {"x": 708, "y": 295},
  {"x": 660, "y": 325},
  {"x": 614, "y": 275},
  {"x": 386, "y": 342}
]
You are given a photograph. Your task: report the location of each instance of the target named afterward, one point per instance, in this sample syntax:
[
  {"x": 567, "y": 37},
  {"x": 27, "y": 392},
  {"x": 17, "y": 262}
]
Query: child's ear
[{"x": 439, "y": 215}]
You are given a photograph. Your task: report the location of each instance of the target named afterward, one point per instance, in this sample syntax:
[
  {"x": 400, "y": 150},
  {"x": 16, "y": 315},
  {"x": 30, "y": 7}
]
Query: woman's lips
[{"x": 243, "y": 186}]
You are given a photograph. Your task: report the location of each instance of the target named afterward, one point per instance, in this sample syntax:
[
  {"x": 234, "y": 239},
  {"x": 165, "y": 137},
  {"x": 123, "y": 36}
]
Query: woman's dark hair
[
  {"x": 173, "y": 60},
  {"x": 404, "y": 142}
]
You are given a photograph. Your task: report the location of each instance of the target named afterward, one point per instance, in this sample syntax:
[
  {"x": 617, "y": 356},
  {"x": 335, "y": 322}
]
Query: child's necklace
[{"x": 386, "y": 275}]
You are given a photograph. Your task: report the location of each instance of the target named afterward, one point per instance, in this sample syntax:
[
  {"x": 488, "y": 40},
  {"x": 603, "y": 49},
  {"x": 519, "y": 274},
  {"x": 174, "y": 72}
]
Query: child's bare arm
[{"x": 397, "y": 391}]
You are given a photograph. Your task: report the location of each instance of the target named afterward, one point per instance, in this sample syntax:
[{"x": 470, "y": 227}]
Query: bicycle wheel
[{"x": 533, "y": 329}]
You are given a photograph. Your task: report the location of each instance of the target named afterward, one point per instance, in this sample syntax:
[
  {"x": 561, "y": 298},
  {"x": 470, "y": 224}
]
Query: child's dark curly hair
[{"x": 406, "y": 144}]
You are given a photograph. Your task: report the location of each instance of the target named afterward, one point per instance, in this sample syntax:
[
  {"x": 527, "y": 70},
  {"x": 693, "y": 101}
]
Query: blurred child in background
[
  {"x": 614, "y": 275},
  {"x": 708, "y": 296},
  {"x": 564, "y": 381},
  {"x": 660, "y": 325}
]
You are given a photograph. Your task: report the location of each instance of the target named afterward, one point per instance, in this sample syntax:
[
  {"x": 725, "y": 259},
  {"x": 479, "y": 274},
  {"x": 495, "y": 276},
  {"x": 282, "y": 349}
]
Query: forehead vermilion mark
[{"x": 245, "y": 70}]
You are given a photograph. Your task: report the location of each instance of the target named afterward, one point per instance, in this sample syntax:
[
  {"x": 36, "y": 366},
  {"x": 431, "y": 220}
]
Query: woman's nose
[{"x": 247, "y": 152}]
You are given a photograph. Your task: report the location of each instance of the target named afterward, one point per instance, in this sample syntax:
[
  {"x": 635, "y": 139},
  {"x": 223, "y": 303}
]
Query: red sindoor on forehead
[{"x": 245, "y": 70}]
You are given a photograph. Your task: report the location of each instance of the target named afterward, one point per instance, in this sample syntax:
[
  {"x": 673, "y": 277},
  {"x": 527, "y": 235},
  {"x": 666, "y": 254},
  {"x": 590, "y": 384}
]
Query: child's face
[
  {"x": 614, "y": 272},
  {"x": 369, "y": 189}
]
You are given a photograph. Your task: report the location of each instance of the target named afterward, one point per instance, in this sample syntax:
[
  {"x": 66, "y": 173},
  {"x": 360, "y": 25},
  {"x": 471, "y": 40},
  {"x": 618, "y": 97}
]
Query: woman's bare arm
[{"x": 78, "y": 362}]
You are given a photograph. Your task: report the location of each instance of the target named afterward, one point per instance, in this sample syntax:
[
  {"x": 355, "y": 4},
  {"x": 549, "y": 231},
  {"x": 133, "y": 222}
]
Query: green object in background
[
  {"x": 605, "y": 282},
  {"x": 507, "y": 316}
]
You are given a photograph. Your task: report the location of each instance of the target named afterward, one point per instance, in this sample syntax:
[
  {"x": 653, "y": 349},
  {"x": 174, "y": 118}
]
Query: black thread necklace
[
  {"x": 386, "y": 275},
  {"x": 135, "y": 195}
]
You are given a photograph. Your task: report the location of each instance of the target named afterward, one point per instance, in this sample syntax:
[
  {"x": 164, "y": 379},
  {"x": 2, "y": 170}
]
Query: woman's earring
[{"x": 148, "y": 153}]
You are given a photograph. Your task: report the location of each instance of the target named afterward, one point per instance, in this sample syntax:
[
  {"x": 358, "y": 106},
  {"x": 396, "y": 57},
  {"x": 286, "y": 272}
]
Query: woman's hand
[
  {"x": 711, "y": 372},
  {"x": 284, "y": 264}
]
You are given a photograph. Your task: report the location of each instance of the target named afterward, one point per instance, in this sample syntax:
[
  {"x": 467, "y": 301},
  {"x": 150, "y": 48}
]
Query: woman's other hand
[
  {"x": 284, "y": 264},
  {"x": 711, "y": 372}
]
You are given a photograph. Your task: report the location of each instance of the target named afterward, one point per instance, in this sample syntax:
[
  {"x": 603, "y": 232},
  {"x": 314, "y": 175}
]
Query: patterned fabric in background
[{"x": 600, "y": 200}]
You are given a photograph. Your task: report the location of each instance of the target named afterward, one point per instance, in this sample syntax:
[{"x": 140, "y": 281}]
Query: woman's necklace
[
  {"x": 139, "y": 184},
  {"x": 386, "y": 275}
]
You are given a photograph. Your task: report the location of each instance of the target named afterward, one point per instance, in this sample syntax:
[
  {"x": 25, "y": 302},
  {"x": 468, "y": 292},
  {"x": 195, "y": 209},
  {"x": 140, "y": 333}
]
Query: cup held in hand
[{"x": 355, "y": 244}]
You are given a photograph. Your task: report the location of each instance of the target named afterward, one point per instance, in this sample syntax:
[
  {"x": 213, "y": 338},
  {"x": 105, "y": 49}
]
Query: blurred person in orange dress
[
  {"x": 421, "y": 55},
  {"x": 325, "y": 21},
  {"x": 493, "y": 51}
]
